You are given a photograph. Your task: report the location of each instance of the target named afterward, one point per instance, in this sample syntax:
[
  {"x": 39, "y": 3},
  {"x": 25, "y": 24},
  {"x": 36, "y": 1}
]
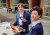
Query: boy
[{"x": 22, "y": 19}]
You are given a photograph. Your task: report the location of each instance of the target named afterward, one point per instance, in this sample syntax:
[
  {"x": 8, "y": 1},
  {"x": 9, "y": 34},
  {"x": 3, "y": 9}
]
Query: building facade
[
  {"x": 44, "y": 4},
  {"x": 47, "y": 8},
  {"x": 2, "y": 3}
]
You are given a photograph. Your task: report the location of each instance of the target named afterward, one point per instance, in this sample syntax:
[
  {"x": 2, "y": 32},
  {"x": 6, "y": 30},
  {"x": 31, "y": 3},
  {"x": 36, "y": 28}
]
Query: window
[
  {"x": 47, "y": 8},
  {"x": 2, "y": 3}
]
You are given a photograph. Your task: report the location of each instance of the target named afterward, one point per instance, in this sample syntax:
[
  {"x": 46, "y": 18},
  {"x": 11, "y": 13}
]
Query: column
[{"x": 42, "y": 4}]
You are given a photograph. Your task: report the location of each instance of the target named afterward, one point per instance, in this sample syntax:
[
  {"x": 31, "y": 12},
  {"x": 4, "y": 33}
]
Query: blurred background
[{"x": 11, "y": 6}]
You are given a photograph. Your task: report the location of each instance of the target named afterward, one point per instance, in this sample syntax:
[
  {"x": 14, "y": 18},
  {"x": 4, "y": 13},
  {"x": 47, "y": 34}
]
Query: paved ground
[{"x": 4, "y": 16}]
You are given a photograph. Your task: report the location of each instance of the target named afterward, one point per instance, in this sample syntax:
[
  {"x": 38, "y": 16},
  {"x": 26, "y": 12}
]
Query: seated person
[
  {"x": 36, "y": 28},
  {"x": 22, "y": 18}
]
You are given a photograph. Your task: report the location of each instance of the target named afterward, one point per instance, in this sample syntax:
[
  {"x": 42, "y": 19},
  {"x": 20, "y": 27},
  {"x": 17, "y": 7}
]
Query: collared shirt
[{"x": 34, "y": 23}]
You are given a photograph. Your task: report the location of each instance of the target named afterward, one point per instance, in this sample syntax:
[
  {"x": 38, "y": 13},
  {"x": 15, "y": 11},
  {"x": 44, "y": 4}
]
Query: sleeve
[
  {"x": 18, "y": 33},
  {"x": 28, "y": 20},
  {"x": 16, "y": 21},
  {"x": 35, "y": 31}
]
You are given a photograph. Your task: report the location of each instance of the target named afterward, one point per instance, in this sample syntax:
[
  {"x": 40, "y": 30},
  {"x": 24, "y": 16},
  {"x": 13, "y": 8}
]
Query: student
[
  {"x": 22, "y": 18},
  {"x": 36, "y": 28}
]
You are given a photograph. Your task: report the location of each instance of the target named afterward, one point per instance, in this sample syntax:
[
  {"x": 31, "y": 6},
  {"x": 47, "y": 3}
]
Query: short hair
[
  {"x": 21, "y": 4},
  {"x": 38, "y": 9},
  {"x": 4, "y": 34}
]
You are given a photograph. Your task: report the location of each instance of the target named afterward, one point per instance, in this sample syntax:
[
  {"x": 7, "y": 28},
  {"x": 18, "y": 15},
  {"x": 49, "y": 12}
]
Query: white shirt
[
  {"x": 34, "y": 23},
  {"x": 20, "y": 21}
]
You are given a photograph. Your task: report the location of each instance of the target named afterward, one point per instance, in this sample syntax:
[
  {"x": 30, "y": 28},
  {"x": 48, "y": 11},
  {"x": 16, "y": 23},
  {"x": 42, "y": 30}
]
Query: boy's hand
[
  {"x": 13, "y": 23},
  {"x": 15, "y": 31},
  {"x": 24, "y": 20},
  {"x": 21, "y": 29}
]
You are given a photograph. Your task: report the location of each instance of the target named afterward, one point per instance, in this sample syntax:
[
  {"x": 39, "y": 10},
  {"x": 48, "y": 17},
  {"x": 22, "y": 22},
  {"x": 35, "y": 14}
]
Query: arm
[
  {"x": 16, "y": 21},
  {"x": 16, "y": 31},
  {"x": 35, "y": 31},
  {"x": 28, "y": 20}
]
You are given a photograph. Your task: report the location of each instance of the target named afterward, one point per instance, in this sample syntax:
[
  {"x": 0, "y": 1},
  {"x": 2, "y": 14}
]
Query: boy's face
[
  {"x": 20, "y": 8},
  {"x": 34, "y": 15}
]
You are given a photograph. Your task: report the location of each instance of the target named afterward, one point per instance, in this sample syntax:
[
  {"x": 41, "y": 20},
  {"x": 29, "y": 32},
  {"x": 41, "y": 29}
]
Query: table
[{"x": 4, "y": 30}]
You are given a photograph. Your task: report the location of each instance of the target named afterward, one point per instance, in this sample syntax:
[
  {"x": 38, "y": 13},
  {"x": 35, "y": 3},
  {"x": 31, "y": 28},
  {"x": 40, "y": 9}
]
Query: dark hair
[
  {"x": 38, "y": 9},
  {"x": 21, "y": 4},
  {"x": 4, "y": 34}
]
